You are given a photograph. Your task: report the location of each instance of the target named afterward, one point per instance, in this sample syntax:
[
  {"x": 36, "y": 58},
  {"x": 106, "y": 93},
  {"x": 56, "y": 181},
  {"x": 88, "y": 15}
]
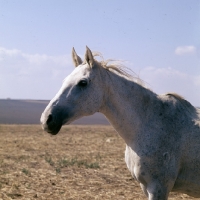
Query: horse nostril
[{"x": 50, "y": 119}]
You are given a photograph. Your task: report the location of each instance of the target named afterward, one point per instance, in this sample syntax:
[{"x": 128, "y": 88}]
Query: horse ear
[
  {"x": 89, "y": 57},
  {"x": 76, "y": 59}
]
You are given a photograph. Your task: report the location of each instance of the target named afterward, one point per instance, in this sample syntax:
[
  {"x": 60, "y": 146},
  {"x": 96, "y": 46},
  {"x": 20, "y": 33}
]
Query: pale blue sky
[{"x": 159, "y": 40}]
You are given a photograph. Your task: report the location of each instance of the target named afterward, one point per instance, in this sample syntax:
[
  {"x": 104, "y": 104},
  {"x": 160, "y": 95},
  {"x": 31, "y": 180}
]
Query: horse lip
[{"x": 52, "y": 132}]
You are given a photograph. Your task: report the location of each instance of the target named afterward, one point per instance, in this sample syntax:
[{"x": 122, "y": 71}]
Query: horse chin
[{"x": 67, "y": 121}]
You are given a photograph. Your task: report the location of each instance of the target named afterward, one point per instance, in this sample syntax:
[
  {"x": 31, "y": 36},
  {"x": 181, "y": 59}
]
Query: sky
[{"x": 158, "y": 40}]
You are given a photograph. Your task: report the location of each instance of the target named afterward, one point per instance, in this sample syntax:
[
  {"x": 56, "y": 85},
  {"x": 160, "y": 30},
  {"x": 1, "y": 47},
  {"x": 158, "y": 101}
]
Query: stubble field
[{"x": 81, "y": 162}]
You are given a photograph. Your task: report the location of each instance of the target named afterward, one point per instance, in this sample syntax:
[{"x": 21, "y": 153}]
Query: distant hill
[{"x": 29, "y": 112}]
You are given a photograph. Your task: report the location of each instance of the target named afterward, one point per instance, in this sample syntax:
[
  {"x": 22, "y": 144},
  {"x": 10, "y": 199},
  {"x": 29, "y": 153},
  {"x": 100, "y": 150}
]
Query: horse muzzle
[{"x": 50, "y": 124}]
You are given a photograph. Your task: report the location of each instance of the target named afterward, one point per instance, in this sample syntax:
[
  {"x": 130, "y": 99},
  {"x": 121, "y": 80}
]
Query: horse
[{"x": 161, "y": 132}]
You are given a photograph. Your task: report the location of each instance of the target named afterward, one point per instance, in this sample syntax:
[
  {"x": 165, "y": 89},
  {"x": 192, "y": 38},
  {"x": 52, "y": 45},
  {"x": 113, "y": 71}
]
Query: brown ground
[{"x": 81, "y": 162}]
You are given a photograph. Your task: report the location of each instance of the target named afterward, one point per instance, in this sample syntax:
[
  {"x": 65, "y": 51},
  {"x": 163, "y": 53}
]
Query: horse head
[{"x": 80, "y": 95}]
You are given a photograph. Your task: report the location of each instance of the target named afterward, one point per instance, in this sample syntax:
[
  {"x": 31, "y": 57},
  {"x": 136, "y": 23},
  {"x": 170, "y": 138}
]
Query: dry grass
[{"x": 81, "y": 162}]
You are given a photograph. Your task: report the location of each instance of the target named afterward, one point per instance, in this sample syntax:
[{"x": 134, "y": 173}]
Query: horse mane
[
  {"x": 116, "y": 66},
  {"x": 183, "y": 101},
  {"x": 177, "y": 96}
]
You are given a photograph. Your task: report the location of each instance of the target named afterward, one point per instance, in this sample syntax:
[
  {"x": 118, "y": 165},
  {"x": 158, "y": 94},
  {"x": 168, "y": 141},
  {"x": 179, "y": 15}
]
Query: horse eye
[{"x": 82, "y": 83}]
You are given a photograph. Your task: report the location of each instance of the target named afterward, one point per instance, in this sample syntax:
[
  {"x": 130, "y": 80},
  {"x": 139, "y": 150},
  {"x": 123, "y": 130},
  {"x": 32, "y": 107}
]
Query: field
[{"x": 81, "y": 162}]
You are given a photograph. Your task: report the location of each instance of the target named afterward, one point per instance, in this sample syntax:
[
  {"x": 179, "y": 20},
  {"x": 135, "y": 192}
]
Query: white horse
[{"x": 162, "y": 132}]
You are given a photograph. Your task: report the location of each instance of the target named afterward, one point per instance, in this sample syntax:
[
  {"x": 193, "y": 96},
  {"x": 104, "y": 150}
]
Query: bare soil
[{"x": 81, "y": 162}]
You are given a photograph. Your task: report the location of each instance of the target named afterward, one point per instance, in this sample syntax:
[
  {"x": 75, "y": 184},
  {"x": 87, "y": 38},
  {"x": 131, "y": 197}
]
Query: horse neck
[{"x": 126, "y": 105}]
